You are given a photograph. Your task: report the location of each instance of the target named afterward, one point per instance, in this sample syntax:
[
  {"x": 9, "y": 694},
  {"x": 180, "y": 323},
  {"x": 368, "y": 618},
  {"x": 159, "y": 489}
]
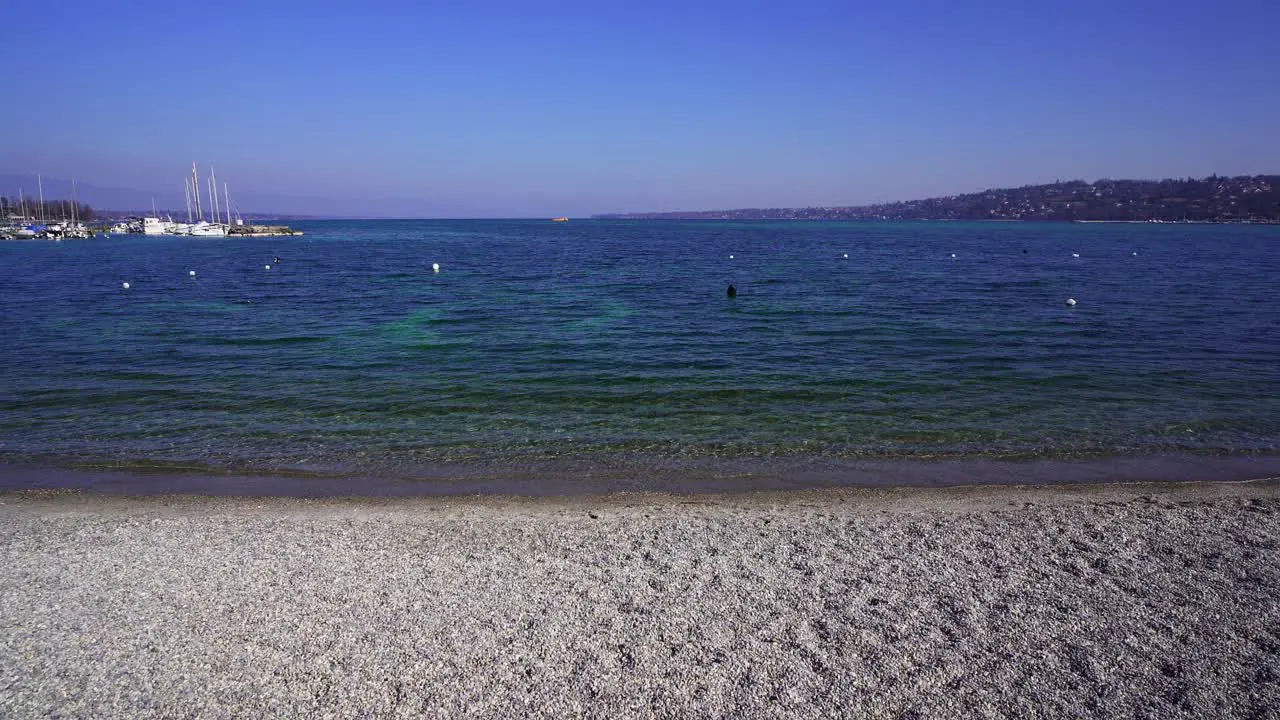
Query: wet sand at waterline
[{"x": 1151, "y": 600}]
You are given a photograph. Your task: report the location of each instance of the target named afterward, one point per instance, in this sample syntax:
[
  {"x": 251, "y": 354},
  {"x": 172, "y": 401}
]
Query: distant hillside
[
  {"x": 86, "y": 192},
  {"x": 1247, "y": 198}
]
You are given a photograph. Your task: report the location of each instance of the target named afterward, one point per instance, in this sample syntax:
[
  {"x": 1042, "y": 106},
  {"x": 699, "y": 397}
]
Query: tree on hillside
[{"x": 53, "y": 210}]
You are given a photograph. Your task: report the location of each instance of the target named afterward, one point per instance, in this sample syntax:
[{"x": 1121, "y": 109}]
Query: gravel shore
[{"x": 1088, "y": 601}]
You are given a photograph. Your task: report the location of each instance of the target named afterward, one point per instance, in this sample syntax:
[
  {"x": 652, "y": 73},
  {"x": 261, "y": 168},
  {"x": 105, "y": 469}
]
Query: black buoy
[{"x": 733, "y": 291}]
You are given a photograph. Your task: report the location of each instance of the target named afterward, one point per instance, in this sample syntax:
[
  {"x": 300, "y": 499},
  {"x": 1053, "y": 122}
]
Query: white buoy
[
  {"x": 846, "y": 256},
  {"x": 266, "y": 267},
  {"x": 1071, "y": 302},
  {"x": 953, "y": 256},
  {"x": 124, "y": 285},
  {"x": 1075, "y": 254},
  {"x": 730, "y": 257},
  {"x": 435, "y": 267},
  {"x": 192, "y": 273},
  {"x": 1135, "y": 254}
]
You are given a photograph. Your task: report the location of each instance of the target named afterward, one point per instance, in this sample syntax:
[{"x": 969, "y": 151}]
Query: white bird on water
[
  {"x": 266, "y": 267},
  {"x": 730, "y": 257},
  {"x": 1075, "y": 254},
  {"x": 953, "y": 256},
  {"x": 192, "y": 273},
  {"x": 846, "y": 256},
  {"x": 435, "y": 267},
  {"x": 124, "y": 285},
  {"x": 1071, "y": 302}
]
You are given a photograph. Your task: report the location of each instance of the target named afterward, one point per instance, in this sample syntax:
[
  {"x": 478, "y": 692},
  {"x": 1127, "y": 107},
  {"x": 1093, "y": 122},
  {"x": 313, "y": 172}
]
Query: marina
[
  {"x": 167, "y": 226},
  {"x": 22, "y": 228},
  {"x": 208, "y": 216}
]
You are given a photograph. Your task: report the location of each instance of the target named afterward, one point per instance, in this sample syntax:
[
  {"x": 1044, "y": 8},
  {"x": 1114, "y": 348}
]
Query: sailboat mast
[
  {"x": 226, "y": 193},
  {"x": 212, "y": 218},
  {"x": 22, "y": 205},
  {"x": 195, "y": 190},
  {"x": 213, "y": 190},
  {"x": 40, "y": 184},
  {"x": 75, "y": 206},
  {"x": 186, "y": 190}
]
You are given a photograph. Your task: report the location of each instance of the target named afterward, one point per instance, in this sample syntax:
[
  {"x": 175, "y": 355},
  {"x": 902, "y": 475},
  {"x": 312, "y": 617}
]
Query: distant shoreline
[
  {"x": 1244, "y": 198},
  {"x": 949, "y": 220}
]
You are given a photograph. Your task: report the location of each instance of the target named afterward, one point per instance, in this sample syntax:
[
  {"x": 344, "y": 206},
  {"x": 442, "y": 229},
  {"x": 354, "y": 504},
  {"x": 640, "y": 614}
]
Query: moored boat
[
  {"x": 156, "y": 226},
  {"x": 207, "y": 229}
]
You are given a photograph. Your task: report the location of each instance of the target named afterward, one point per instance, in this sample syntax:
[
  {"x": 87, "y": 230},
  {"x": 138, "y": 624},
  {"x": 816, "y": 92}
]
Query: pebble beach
[{"x": 1151, "y": 600}]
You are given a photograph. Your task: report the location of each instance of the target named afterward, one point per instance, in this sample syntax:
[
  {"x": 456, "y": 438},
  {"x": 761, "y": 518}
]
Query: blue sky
[{"x": 530, "y": 109}]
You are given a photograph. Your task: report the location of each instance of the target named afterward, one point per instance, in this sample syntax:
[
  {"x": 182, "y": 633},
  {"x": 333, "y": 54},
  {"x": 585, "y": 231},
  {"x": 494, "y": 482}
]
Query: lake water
[{"x": 596, "y": 354}]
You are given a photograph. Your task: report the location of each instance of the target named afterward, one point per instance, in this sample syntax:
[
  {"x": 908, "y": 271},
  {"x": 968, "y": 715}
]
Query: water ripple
[{"x": 612, "y": 339}]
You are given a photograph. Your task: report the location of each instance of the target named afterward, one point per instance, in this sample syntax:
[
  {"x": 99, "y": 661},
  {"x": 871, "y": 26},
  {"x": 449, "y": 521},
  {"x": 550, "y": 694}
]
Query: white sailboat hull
[{"x": 208, "y": 230}]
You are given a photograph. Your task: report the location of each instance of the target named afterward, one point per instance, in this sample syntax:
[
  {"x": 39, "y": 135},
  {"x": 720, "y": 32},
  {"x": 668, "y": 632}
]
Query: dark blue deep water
[{"x": 612, "y": 344}]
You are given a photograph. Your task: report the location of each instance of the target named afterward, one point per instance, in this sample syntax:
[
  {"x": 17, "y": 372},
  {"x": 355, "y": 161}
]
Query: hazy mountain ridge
[{"x": 1245, "y": 198}]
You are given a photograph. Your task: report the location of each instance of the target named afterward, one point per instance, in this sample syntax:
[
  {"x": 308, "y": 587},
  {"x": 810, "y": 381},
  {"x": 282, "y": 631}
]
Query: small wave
[{"x": 266, "y": 340}]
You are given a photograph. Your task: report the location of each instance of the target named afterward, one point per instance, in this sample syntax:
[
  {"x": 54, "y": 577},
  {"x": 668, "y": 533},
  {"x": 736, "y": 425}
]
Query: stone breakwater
[{"x": 261, "y": 231}]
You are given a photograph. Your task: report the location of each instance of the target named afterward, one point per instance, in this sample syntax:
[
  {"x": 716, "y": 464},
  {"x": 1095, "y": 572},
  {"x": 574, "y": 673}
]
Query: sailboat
[
  {"x": 183, "y": 228},
  {"x": 205, "y": 228},
  {"x": 214, "y": 226},
  {"x": 208, "y": 229}
]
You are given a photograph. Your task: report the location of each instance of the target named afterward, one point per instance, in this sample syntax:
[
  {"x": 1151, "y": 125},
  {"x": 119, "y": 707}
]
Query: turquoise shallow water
[{"x": 612, "y": 343}]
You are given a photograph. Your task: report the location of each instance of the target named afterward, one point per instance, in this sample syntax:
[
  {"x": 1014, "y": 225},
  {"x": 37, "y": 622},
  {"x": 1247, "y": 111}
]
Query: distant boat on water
[{"x": 560, "y": 219}]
